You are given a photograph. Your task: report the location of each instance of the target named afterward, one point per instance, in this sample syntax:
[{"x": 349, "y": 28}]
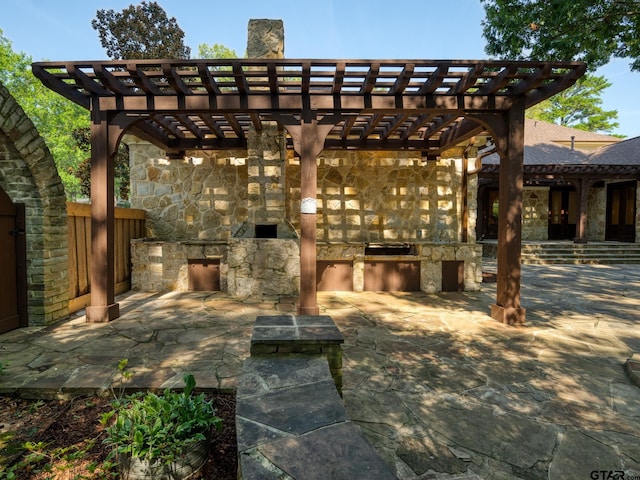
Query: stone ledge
[
  {"x": 300, "y": 334},
  {"x": 632, "y": 367},
  {"x": 291, "y": 424}
]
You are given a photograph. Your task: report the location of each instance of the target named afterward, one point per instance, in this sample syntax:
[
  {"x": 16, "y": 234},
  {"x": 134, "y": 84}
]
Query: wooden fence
[{"x": 129, "y": 224}]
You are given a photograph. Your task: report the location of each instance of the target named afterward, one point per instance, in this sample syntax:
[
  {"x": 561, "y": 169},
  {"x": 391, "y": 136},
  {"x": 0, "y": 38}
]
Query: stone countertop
[{"x": 301, "y": 329}]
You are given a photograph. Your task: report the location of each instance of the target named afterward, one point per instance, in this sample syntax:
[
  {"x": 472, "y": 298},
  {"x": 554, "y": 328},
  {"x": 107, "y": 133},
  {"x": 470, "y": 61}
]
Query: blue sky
[{"x": 350, "y": 29}]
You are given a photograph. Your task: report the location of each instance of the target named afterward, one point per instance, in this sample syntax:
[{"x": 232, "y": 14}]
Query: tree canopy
[
  {"x": 592, "y": 31},
  {"x": 578, "y": 107},
  {"x": 215, "y": 51},
  {"x": 55, "y": 117},
  {"x": 140, "y": 31}
]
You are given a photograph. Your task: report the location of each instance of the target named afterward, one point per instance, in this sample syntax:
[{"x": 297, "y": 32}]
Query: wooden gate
[{"x": 13, "y": 273}]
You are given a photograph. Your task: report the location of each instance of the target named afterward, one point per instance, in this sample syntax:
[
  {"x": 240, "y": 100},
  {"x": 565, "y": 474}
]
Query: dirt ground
[{"x": 67, "y": 426}]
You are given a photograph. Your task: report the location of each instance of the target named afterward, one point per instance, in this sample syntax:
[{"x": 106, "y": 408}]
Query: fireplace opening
[{"x": 268, "y": 230}]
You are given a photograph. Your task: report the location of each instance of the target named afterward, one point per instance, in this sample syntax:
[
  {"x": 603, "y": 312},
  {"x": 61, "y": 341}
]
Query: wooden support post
[
  {"x": 308, "y": 141},
  {"x": 105, "y": 136},
  {"x": 581, "y": 228},
  {"x": 510, "y": 144}
]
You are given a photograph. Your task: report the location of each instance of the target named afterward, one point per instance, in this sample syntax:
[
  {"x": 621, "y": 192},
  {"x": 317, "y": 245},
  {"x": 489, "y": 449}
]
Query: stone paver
[{"x": 437, "y": 387}]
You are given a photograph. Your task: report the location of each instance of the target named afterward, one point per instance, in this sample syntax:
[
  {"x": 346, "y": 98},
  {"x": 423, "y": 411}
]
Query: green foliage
[
  {"x": 54, "y": 116},
  {"x": 140, "y": 31},
  {"x": 82, "y": 171},
  {"x": 578, "y": 107},
  {"x": 159, "y": 428},
  {"x": 215, "y": 51},
  {"x": 589, "y": 30},
  {"x": 61, "y": 462}
]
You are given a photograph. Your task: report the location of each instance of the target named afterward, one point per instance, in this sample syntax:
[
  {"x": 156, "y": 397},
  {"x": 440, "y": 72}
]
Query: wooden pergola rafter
[{"x": 420, "y": 105}]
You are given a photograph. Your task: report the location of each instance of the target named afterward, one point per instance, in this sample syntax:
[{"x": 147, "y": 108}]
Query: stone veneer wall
[
  {"x": 430, "y": 256},
  {"x": 202, "y": 196},
  {"x": 160, "y": 265},
  {"x": 196, "y": 207},
  {"x": 597, "y": 207},
  {"x": 248, "y": 267},
  {"x": 28, "y": 175},
  {"x": 383, "y": 197},
  {"x": 263, "y": 267},
  {"x": 535, "y": 221},
  {"x": 362, "y": 196}
]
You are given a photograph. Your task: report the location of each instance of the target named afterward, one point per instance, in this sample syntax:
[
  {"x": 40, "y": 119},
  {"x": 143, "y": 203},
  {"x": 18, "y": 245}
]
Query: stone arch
[{"x": 28, "y": 175}]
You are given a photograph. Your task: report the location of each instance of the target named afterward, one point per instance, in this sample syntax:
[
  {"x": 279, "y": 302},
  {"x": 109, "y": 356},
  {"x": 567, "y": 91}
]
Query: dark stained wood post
[
  {"x": 507, "y": 308},
  {"x": 308, "y": 141},
  {"x": 581, "y": 228},
  {"x": 104, "y": 142}
]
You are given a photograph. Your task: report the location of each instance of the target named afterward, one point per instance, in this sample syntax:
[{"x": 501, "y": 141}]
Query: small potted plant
[{"x": 161, "y": 437}]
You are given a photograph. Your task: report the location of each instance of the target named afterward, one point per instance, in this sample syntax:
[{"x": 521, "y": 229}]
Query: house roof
[
  {"x": 548, "y": 154},
  {"x": 626, "y": 152},
  {"x": 550, "y": 144}
]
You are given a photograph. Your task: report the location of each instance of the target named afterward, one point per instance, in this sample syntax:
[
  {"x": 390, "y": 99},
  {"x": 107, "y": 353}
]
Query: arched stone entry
[{"x": 28, "y": 175}]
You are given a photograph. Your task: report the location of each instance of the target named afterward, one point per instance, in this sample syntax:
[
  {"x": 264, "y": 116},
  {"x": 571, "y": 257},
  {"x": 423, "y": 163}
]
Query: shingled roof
[
  {"x": 551, "y": 144},
  {"x": 626, "y": 152}
]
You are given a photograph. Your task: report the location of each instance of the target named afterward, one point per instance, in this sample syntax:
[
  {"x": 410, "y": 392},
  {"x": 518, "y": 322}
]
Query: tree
[
  {"x": 82, "y": 171},
  {"x": 215, "y": 51},
  {"x": 142, "y": 31},
  {"x": 592, "y": 31},
  {"x": 578, "y": 107},
  {"x": 54, "y": 116}
]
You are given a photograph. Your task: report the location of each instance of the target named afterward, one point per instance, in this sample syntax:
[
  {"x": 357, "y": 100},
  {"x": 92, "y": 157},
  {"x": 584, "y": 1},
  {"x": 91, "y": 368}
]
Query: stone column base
[
  {"x": 103, "y": 314},
  {"x": 508, "y": 315}
]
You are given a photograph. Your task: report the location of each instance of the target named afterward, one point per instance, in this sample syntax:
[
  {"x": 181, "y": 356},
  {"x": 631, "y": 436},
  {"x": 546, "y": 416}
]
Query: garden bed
[{"x": 68, "y": 436}]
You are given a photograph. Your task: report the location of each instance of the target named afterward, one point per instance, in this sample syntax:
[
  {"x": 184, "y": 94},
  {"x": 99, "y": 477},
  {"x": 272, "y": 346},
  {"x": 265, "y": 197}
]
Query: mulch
[{"x": 61, "y": 424}]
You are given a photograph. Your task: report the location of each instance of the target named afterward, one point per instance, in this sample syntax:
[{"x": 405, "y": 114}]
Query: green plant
[
  {"x": 41, "y": 459},
  {"x": 125, "y": 377},
  {"x": 159, "y": 429}
]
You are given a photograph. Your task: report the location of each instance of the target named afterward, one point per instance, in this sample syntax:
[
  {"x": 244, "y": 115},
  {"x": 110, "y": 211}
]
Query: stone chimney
[
  {"x": 265, "y": 39},
  {"x": 266, "y": 151}
]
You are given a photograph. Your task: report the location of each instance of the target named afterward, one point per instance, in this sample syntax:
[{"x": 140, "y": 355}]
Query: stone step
[
  {"x": 589, "y": 249},
  {"x": 570, "y": 253},
  {"x": 580, "y": 261}
]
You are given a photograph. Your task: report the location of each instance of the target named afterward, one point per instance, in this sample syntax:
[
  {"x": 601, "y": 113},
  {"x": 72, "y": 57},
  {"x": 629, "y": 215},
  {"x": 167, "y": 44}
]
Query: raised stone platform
[{"x": 302, "y": 334}]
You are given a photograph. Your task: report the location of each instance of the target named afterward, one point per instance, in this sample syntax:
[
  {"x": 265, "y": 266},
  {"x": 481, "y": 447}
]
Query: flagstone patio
[{"x": 439, "y": 388}]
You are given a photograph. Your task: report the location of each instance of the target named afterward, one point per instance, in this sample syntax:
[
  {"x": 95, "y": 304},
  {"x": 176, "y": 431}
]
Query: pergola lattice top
[{"x": 381, "y": 104}]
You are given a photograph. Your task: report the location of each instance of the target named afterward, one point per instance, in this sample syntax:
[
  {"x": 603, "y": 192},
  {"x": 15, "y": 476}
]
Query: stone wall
[
  {"x": 535, "y": 221},
  {"x": 161, "y": 266},
  {"x": 260, "y": 266},
  {"x": 597, "y": 208},
  {"x": 202, "y": 196},
  {"x": 28, "y": 175},
  {"x": 382, "y": 197},
  {"x": 250, "y": 267},
  {"x": 362, "y": 196},
  {"x": 212, "y": 199},
  {"x": 430, "y": 256}
]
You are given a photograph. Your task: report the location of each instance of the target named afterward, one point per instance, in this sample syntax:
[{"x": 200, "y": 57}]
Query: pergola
[{"x": 420, "y": 105}]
